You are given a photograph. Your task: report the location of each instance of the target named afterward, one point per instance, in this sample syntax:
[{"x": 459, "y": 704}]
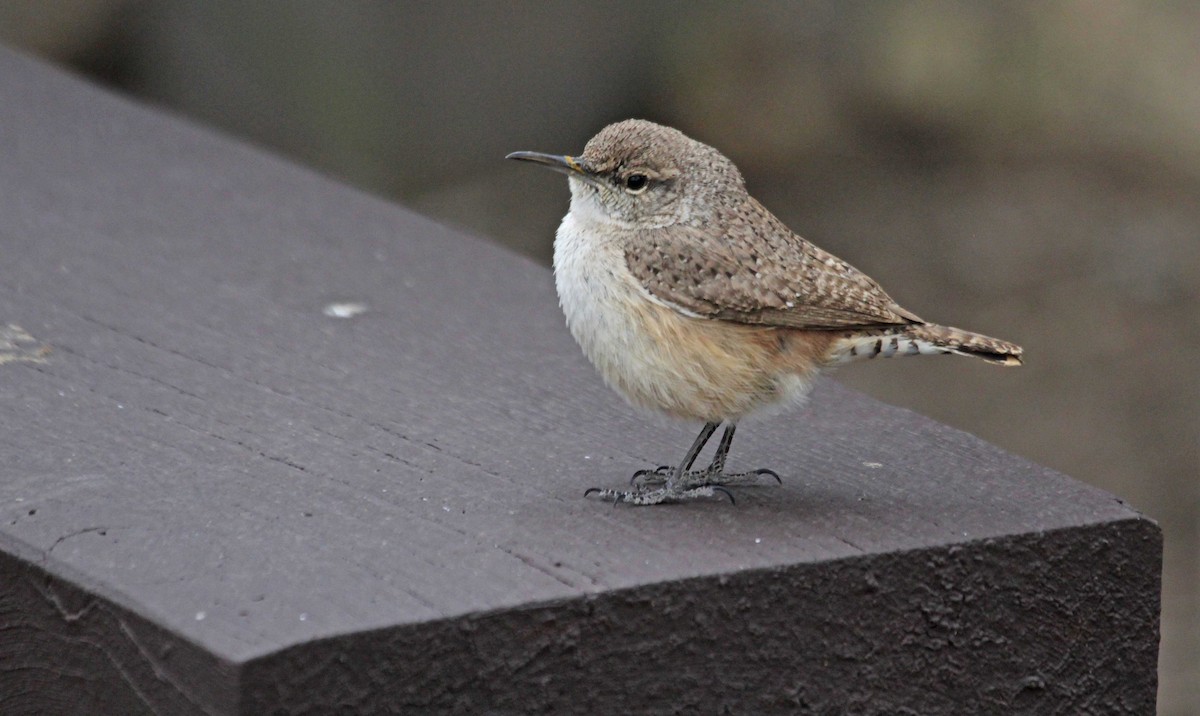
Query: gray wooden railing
[{"x": 215, "y": 498}]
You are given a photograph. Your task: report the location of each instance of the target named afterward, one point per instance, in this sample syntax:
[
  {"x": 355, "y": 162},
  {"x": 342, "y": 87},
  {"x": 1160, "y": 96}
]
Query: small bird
[{"x": 694, "y": 301}]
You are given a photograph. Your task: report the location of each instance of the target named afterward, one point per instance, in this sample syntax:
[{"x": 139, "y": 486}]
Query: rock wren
[{"x": 693, "y": 300}]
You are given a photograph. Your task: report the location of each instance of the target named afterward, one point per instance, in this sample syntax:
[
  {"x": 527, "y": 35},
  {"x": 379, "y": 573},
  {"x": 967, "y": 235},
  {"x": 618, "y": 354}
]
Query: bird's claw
[{"x": 766, "y": 471}]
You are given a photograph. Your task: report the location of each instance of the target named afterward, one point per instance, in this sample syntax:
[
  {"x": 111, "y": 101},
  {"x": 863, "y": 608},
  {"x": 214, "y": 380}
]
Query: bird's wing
[{"x": 755, "y": 270}]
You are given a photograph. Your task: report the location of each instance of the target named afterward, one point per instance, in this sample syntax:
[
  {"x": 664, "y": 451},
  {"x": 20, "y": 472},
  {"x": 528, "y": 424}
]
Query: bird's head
[{"x": 641, "y": 175}]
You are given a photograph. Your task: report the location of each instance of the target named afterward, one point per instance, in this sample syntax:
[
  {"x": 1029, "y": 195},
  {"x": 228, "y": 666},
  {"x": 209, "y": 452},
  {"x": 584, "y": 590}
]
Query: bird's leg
[
  {"x": 718, "y": 462},
  {"x": 716, "y": 470},
  {"x": 668, "y": 477},
  {"x": 714, "y": 474},
  {"x": 662, "y": 473},
  {"x": 675, "y": 484},
  {"x": 680, "y": 473}
]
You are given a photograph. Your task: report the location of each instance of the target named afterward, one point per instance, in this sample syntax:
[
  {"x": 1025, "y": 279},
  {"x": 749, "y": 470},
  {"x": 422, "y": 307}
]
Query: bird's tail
[{"x": 924, "y": 339}]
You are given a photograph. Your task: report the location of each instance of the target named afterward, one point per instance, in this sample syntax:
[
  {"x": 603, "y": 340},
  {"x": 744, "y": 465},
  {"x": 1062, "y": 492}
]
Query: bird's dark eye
[{"x": 636, "y": 183}]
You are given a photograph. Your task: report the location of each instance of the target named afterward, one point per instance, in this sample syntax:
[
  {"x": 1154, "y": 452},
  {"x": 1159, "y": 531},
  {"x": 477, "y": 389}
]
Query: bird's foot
[
  {"x": 700, "y": 478},
  {"x": 659, "y": 496}
]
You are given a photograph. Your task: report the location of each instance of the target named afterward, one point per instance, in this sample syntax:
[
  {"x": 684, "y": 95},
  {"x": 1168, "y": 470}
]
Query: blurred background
[{"x": 1026, "y": 169}]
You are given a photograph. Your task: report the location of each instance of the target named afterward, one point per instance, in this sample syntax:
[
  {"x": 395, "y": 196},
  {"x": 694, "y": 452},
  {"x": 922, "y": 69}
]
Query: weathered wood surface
[{"x": 214, "y": 498}]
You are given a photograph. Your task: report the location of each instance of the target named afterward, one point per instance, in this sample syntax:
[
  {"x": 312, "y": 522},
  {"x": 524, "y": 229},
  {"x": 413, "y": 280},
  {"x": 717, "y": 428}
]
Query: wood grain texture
[{"x": 216, "y": 499}]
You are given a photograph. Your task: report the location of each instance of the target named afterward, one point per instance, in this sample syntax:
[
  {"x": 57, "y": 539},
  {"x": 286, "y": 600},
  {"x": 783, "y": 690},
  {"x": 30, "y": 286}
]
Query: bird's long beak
[{"x": 571, "y": 166}]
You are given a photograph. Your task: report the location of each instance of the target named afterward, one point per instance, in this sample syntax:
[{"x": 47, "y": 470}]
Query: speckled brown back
[{"x": 750, "y": 268}]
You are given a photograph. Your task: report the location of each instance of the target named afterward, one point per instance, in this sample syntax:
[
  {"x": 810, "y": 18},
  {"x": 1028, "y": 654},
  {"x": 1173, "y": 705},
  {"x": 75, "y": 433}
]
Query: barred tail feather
[{"x": 924, "y": 339}]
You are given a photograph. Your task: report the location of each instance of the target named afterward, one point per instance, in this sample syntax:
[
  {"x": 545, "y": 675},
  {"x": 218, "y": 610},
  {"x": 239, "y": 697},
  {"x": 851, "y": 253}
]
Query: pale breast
[{"x": 657, "y": 358}]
